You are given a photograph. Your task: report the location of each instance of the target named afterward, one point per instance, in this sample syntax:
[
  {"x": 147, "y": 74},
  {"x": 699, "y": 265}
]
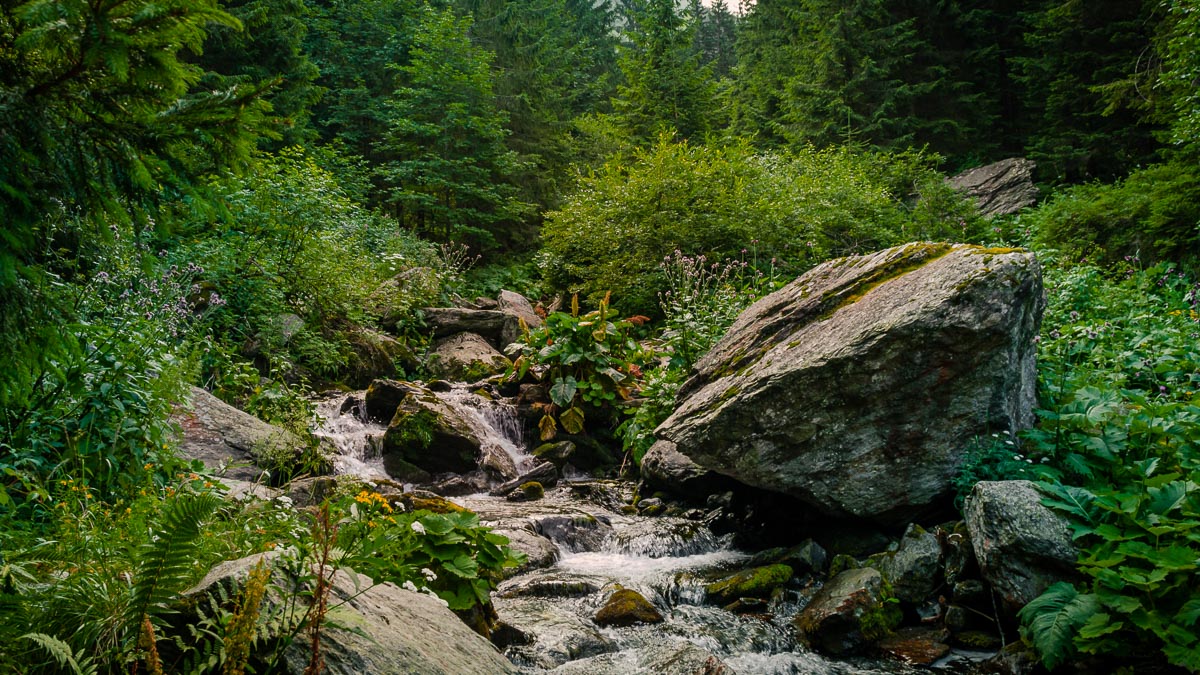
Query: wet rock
[
  {"x": 807, "y": 557},
  {"x": 420, "y": 500},
  {"x": 431, "y": 435},
  {"x": 675, "y": 658},
  {"x": 527, "y": 492},
  {"x": 999, "y": 188},
  {"x": 242, "y": 491},
  {"x": 229, "y": 441},
  {"x": 914, "y": 569},
  {"x": 543, "y": 473},
  {"x": 383, "y": 397},
  {"x": 662, "y": 538},
  {"x": 978, "y": 639},
  {"x": 758, "y": 582},
  {"x": 539, "y": 551},
  {"x": 559, "y": 635},
  {"x": 857, "y": 387},
  {"x": 916, "y": 646},
  {"x": 554, "y": 585},
  {"x": 575, "y": 532},
  {"x": 466, "y": 357},
  {"x": 559, "y": 453},
  {"x": 454, "y": 486},
  {"x": 848, "y": 613},
  {"x": 651, "y": 506},
  {"x": 665, "y": 468},
  {"x": 1022, "y": 547},
  {"x": 627, "y": 607}
]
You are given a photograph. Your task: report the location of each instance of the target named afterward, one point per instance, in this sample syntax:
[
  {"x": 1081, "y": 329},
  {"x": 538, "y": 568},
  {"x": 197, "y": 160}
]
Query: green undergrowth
[{"x": 1118, "y": 449}]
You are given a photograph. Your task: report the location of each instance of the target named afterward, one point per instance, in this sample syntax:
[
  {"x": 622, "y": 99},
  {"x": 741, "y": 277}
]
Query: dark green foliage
[
  {"x": 1121, "y": 428},
  {"x": 1075, "y": 49},
  {"x": 163, "y": 567},
  {"x": 448, "y": 172},
  {"x": 1152, "y": 215},
  {"x": 666, "y": 89},
  {"x": 553, "y": 60},
  {"x": 266, "y": 50},
  {"x": 796, "y": 209}
]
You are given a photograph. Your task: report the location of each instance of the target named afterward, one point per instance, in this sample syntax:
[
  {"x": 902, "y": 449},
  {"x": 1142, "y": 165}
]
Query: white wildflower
[{"x": 418, "y": 527}]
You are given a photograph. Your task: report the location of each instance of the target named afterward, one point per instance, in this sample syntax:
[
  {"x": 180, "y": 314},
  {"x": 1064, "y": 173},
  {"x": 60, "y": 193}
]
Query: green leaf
[
  {"x": 563, "y": 391},
  {"x": 1189, "y": 613},
  {"x": 1053, "y": 618},
  {"x": 463, "y": 567},
  {"x": 572, "y": 420},
  {"x": 547, "y": 428}
]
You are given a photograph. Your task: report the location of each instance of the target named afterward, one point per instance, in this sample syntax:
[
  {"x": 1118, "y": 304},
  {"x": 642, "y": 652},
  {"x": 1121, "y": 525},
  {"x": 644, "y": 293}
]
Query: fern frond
[
  {"x": 78, "y": 663},
  {"x": 1053, "y": 619},
  {"x": 164, "y": 565}
]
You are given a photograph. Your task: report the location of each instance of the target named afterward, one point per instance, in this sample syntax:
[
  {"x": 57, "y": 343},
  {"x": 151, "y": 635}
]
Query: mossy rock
[
  {"x": 527, "y": 492},
  {"x": 752, "y": 583},
  {"x": 423, "y": 501},
  {"x": 627, "y": 607}
]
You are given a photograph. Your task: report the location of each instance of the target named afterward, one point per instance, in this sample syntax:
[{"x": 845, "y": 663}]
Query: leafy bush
[
  {"x": 801, "y": 208},
  {"x": 1120, "y": 373},
  {"x": 449, "y": 555},
  {"x": 1153, "y": 214},
  {"x": 589, "y": 359},
  {"x": 299, "y": 264}
]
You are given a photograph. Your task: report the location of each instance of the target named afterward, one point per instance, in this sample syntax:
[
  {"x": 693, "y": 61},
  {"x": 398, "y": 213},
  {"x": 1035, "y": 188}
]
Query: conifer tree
[
  {"x": 665, "y": 87},
  {"x": 447, "y": 171}
]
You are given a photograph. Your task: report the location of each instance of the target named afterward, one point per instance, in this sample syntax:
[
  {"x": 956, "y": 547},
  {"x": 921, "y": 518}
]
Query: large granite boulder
[
  {"x": 466, "y": 357},
  {"x": 999, "y": 188},
  {"x": 370, "y": 628},
  {"x": 1022, "y": 546},
  {"x": 227, "y": 439},
  {"x": 432, "y": 434},
  {"x": 428, "y": 435},
  {"x": 447, "y": 321},
  {"x": 856, "y": 387}
]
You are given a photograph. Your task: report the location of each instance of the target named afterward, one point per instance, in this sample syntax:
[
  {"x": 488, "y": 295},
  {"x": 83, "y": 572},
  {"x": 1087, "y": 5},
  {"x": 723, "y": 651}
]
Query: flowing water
[{"x": 549, "y": 611}]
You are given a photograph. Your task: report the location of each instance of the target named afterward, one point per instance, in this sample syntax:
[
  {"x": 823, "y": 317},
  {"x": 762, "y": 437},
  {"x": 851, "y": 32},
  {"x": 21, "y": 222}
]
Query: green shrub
[
  {"x": 591, "y": 359},
  {"x": 1119, "y": 366},
  {"x": 1154, "y": 214},
  {"x": 732, "y": 202}
]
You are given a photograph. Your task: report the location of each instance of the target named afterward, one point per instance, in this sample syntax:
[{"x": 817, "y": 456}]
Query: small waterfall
[
  {"x": 495, "y": 423},
  {"x": 358, "y": 440}
]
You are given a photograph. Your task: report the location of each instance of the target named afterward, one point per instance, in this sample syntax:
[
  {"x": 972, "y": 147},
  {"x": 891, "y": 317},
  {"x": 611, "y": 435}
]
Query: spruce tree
[
  {"x": 665, "y": 87},
  {"x": 447, "y": 171}
]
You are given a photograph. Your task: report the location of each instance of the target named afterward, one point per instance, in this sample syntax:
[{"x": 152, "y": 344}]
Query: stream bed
[{"x": 591, "y": 547}]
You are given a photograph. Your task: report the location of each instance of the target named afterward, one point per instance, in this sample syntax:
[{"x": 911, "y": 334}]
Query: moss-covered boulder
[
  {"x": 852, "y": 610},
  {"x": 466, "y": 357},
  {"x": 527, "y": 492},
  {"x": 758, "y": 582},
  {"x": 857, "y": 387},
  {"x": 428, "y": 436},
  {"x": 627, "y": 607}
]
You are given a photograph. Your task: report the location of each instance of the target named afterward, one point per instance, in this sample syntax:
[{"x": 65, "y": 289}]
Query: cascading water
[{"x": 667, "y": 560}]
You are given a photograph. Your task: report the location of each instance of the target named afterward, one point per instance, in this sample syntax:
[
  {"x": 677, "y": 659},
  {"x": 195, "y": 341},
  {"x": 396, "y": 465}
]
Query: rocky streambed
[{"x": 610, "y": 589}]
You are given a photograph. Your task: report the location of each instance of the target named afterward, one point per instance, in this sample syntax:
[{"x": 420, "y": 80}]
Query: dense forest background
[{"x": 245, "y": 195}]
